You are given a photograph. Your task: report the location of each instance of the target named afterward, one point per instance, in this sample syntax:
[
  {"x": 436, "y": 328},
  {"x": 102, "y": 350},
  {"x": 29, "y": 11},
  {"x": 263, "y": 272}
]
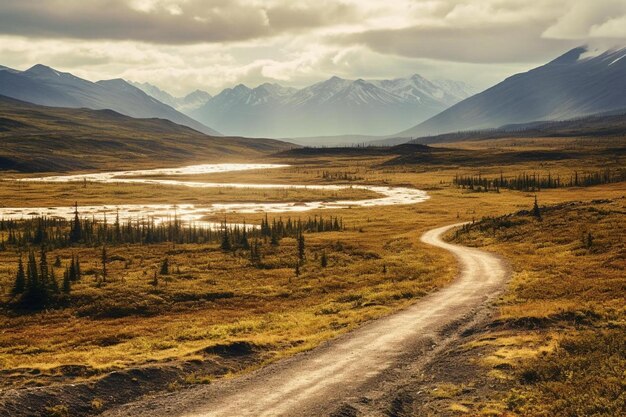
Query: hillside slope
[
  {"x": 38, "y": 138},
  {"x": 48, "y": 87},
  {"x": 572, "y": 85}
]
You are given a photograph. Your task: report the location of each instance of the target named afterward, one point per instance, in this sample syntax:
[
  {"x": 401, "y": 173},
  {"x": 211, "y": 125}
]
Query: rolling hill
[
  {"x": 48, "y": 87},
  {"x": 38, "y": 138},
  {"x": 611, "y": 124},
  {"x": 570, "y": 86}
]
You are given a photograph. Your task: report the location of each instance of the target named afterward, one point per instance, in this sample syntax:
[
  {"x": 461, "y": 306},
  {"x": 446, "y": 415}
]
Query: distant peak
[
  {"x": 116, "y": 81},
  {"x": 570, "y": 57},
  {"x": 240, "y": 87},
  {"x": 40, "y": 69}
]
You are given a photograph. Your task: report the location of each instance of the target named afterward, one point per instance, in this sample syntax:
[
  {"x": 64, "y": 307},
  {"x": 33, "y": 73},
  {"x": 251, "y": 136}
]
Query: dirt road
[{"x": 353, "y": 374}]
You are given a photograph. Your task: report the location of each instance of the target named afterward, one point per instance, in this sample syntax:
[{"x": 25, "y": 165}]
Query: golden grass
[
  {"x": 564, "y": 314},
  {"x": 272, "y": 307}
]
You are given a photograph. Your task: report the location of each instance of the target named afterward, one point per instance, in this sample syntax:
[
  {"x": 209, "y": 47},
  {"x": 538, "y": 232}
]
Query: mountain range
[
  {"x": 333, "y": 107},
  {"x": 46, "y": 86},
  {"x": 340, "y": 111},
  {"x": 575, "y": 84}
]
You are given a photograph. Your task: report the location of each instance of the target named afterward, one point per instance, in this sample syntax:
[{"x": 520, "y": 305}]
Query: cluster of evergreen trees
[
  {"x": 54, "y": 232},
  {"x": 36, "y": 285},
  {"x": 252, "y": 240},
  {"x": 537, "y": 182}
]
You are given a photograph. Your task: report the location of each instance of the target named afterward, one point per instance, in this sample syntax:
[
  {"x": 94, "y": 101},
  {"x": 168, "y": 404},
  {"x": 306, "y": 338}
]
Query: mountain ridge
[
  {"x": 569, "y": 86},
  {"x": 46, "y": 86}
]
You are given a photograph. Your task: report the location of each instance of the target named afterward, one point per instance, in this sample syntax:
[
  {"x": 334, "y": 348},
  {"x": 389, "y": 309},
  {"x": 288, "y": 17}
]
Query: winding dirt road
[{"x": 356, "y": 371}]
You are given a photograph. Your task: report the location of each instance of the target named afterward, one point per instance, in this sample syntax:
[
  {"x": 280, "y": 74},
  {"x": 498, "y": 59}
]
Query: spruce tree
[
  {"x": 44, "y": 274},
  {"x": 36, "y": 294},
  {"x": 536, "y": 211},
  {"x": 67, "y": 280},
  {"x": 20, "y": 279},
  {"x": 274, "y": 237},
  {"x": 324, "y": 260},
  {"x": 32, "y": 276},
  {"x": 76, "y": 232},
  {"x": 71, "y": 270},
  {"x": 53, "y": 285},
  {"x": 165, "y": 267},
  {"x": 104, "y": 259},
  {"x": 244, "y": 238},
  {"x": 226, "y": 244},
  {"x": 77, "y": 270},
  {"x": 301, "y": 247}
]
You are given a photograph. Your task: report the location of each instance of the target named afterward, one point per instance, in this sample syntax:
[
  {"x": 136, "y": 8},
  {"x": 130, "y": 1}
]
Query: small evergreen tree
[
  {"x": 274, "y": 237},
  {"x": 57, "y": 262},
  {"x": 165, "y": 267},
  {"x": 104, "y": 259},
  {"x": 226, "y": 245},
  {"x": 67, "y": 280},
  {"x": 244, "y": 238},
  {"x": 20, "y": 279},
  {"x": 324, "y": 260},
  {"x": 301, "y": 247},
  {"x": 36, "y": 294},
  {"x": 76, "y": 231},
  {"x": 53, "y": 285},
  {"x": 536, "y": 211},
  {"x": 77, "y": 270},
  {"x": 155, "y": 280}
]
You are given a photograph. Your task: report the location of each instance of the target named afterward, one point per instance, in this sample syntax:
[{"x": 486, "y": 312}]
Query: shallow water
[{"x": 191, "y": 213}]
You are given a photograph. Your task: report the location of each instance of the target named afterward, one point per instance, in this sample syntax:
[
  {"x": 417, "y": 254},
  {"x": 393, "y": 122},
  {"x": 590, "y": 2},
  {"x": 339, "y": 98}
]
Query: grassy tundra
[{"x": 212, "y": 304}]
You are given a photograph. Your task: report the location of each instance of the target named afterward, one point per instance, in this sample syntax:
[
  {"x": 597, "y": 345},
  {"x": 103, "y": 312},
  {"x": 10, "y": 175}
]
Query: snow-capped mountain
[
  {"x": 575, "y": 84},
  {"x": 332, "y": 107},
  {"x": 184, "y": 104},
  {"x": 46, "y": 86}
]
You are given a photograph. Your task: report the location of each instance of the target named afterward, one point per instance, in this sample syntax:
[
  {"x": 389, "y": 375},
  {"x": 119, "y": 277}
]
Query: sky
[{"x": 183, "y": 45}]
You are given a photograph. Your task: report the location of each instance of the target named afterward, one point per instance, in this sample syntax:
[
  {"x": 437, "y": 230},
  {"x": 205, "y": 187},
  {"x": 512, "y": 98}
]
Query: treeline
[
  {"x": 537, "y": 182},
  {"x": 54, "y": 232},
  {"x": 340, "y": 175}
]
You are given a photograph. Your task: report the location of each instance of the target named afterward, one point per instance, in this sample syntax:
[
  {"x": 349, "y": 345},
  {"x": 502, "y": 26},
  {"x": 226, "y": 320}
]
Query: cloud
[
  {"x": 585, "y": 20},
  {"x": 612, "y": 28},
  {"x": 182, "y": 45},
  {"x": 472, "y": 45},
  {"x": 166, "y": 21}
]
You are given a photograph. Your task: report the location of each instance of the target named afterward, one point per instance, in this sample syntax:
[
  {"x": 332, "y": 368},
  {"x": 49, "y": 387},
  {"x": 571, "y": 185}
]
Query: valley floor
[{"x": 181, "y": 332}]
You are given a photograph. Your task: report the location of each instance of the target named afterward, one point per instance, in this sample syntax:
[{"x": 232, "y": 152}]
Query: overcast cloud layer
[{"x": 182, "y": 45}]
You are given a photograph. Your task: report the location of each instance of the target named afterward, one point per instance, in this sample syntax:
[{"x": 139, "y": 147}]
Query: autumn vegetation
[{"x": 121, "y": 295}]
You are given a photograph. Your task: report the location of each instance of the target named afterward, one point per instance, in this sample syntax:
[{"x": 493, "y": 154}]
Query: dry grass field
[
  {"x": 557, "y": 345},
  {"x": 564, "y": 295}
]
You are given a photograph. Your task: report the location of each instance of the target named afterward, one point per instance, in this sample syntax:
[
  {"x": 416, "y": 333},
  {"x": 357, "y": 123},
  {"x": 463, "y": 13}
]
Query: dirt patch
[{"x": 94, "y": 395}]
